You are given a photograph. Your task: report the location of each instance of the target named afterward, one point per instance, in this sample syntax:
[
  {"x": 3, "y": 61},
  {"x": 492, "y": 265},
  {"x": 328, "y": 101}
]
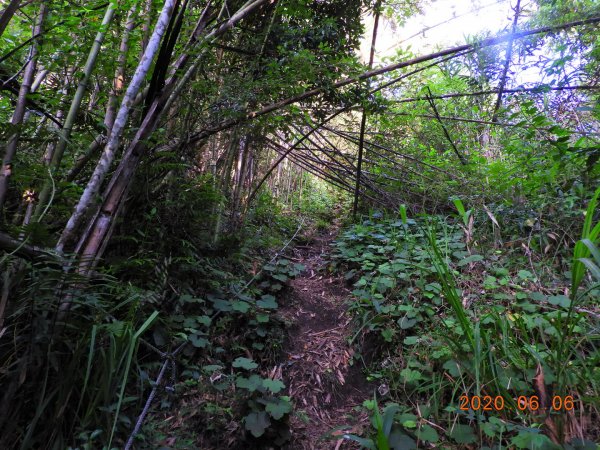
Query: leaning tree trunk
[
  {"x": 7, "y": 14},
  {"x": 93, "y": 186},
  {"x": 19, "y": 113},
  {"x": 67, "y": 128},
  {"x": 99, "y": 228}
]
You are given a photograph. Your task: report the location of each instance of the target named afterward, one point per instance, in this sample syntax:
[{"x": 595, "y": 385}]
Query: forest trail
[{"x": 323, "y": 385}]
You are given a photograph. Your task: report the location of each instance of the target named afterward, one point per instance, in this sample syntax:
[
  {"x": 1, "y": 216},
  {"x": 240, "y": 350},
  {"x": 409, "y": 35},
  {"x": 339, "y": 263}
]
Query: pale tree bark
[
  {"x": 39, "y": 79},
  {"x": 19, "y": 113},
  {"x": 112, "y": 145},
  {"x": 7, "y": 14},
  {"x": 147, "y": 15},
  {"x": 241, "y": 173},
  {"x": 95, "y": 146},
  {"x": 65, "y": 133},
  {"x": 99, "y": 228}
]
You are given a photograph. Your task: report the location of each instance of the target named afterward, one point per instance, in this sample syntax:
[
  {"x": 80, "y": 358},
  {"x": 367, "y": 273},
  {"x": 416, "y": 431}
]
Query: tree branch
[{"x": 462, "y": 159}]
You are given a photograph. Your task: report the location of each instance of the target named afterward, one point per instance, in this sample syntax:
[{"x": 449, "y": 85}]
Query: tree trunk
[
  {"x": 99, "y": 226},
  {"x": 241, "y": 179},
  {"x": 112, "y": 145},
  {"x": 65, "y": 134},
  {"x": 113, "y": 99},
  {"x": 7, "y": 14},
  {"x": 225, "y": 181},
  {"x": 147, "y": 15},
  {"x": 19, "y": 113},
  {"x": 363, "y": 120}
]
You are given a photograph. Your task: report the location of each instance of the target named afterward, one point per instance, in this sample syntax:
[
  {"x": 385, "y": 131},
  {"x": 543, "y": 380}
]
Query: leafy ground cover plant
[
  {"x": 224, "y": 388},
  {"x": 453, "y": 326}
]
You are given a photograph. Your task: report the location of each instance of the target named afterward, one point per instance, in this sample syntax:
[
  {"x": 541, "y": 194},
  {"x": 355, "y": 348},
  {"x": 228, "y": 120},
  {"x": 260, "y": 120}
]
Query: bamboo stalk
[
  {"x": 67, "y": 128},
  {"x": 450, "y": 52},
  {"x": 7, "y": 14},
  {"x": 112, "y": 144},
  {"x": 363, "y": 120},
  {"x": 19, "y": 113}
]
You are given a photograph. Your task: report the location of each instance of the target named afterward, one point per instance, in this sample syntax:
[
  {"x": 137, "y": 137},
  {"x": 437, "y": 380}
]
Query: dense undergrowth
[
  {"x": 480, "y": 332},
  {"x": 157, "y": 157},
  {"x": 171, "y": 300}
]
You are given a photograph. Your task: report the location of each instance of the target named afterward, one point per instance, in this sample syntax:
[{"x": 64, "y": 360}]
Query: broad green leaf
[
  {"x": 244, "y": 363},
  {"x": 197, "y": 340},
  {"x": 410, "y": 375},
  {"x": 406, "y": 323},
  {"x": 400, "y": 441},
  {"x": 240, "y": 306},
  {"x": 538, "y": 296},
  {"x": 533, "y": 440},
  {"x": 560, "y": 300},
  {"x": 275, "y": 386},
  {"x": 388, "y": 334},
  {"x": 262, "y": 318},
  {"x": 257, "y": 423},
  {"x": 251, "y": 384},
  {"x": 525, "y": 275},
  {"x": 279, "y": 408},
  {"x": 267, "y": 302},
  {"x": 427, "y": 433},
  {"x": 203, "y": 320},
  {"x": 470, "y": 259},
  {"x": 221, "y": 305},
  {"x": 411, "y": 340}
]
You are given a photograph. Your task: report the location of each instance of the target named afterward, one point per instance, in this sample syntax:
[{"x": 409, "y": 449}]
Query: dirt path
[{"x": 323, "y": 385}]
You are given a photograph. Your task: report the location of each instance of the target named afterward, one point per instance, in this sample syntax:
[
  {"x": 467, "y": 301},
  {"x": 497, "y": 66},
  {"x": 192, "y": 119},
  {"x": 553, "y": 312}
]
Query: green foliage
[
  {"x": 470, "y": 306},
  {"x": 586, "y": 246},
  {"x": 201, "y": 296},
  {"x": 448, "y": 323},
  {"x": 85, "y": 361}
]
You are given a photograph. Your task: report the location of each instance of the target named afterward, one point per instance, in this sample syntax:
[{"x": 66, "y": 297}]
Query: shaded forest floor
[
  {"x": 503, "y": 292},
  {"x": 324, "y": 382}
]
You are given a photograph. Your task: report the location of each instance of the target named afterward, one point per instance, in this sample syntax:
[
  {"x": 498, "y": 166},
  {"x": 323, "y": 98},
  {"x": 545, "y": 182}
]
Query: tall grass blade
[
  {"x": 581, "y": 250},
  {"x": 132, "y": 346}
]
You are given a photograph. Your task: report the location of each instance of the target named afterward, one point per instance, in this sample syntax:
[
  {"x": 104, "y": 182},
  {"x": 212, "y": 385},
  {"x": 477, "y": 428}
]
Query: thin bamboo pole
[
  {"x": 67, "y": 128},
  {"x": 112, "y": 144},
  {"x": 19, "y": 113}
]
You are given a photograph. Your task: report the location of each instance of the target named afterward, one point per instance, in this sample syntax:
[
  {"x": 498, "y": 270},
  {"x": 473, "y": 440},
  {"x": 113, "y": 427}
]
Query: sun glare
[{"x": 443, "y": 24}]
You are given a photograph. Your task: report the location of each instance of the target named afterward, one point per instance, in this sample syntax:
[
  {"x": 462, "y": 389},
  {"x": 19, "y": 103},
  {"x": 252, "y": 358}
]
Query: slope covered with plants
[{"x": 220, "y": 228}]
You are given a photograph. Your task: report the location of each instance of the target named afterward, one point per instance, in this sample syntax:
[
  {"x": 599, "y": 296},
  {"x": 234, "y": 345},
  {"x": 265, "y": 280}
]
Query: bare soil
[{"x": 324, "y": 382}]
